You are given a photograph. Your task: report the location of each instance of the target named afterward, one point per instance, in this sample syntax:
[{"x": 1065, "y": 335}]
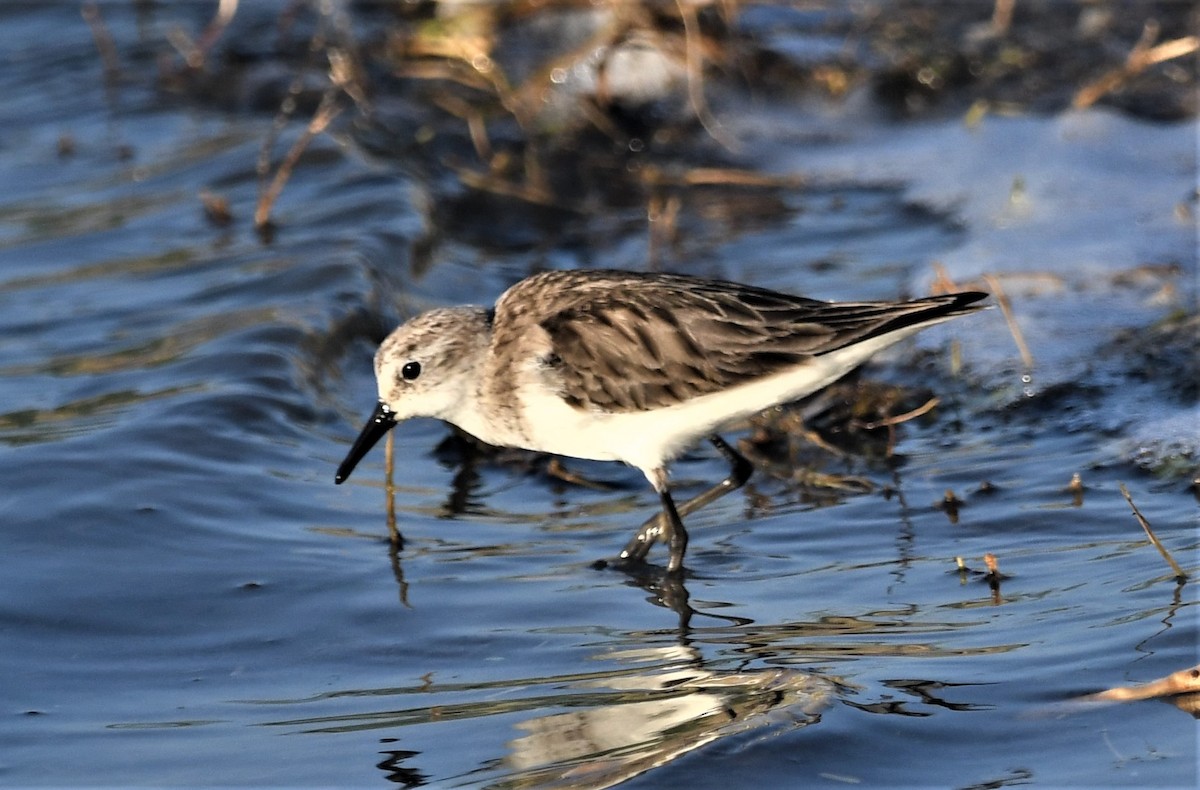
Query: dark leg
[
  {"x": 676, "y": 535},
  {"x": 739, "y": 472}
]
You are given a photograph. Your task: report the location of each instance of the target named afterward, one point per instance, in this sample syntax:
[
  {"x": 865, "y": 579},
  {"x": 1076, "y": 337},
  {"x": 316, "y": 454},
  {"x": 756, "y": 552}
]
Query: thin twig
[
  {"x": 194, "y": 52},
  {"x": 1179, "y": 574},
  {"x": 1140, "y": 58},
  {"x": 1168, "y": 50},
  {"x": 389, "y": 487},
  {"x": 1006, "y": 308},
  {"x": 717, "y": 176},
  {"x": 899, "y": 418},
  {"x": 326, "y": 112},
  {"x": 461, "y": 108},
  {"x": 497, "y": 185},
  {"x": 942, "y": 283}
]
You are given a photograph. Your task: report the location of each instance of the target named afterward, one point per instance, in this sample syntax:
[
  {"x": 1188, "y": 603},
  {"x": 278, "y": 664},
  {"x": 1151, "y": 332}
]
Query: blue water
[{"x": 187, "y": 599}]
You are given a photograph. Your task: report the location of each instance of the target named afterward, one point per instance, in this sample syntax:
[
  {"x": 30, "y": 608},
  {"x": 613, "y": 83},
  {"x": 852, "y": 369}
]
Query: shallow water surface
[{"x": 187, "y": 599}]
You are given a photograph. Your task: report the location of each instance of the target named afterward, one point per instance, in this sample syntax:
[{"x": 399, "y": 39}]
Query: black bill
[{"x": 381, "y": 422}]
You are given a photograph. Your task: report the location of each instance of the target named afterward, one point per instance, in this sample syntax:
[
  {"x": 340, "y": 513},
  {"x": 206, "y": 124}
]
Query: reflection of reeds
[
  {"x": 31, "y": 426},
  {"x": 104, "y": 43}
]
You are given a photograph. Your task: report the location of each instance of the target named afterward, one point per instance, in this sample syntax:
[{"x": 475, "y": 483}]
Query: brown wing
[{"x": 633, "y": 342}]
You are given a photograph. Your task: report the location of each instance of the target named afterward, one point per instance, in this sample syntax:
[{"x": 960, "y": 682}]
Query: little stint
[{"x": 632, "y": 367}]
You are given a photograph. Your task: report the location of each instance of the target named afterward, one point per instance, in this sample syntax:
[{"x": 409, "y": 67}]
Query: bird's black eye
[{"x": 410, "y": 370}]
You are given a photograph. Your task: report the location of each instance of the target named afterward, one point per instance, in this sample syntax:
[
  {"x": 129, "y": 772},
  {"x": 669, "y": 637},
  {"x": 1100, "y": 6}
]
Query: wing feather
[{"x": 632, "y": 342}]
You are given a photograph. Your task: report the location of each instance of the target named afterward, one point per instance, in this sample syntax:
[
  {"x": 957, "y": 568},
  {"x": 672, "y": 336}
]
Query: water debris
[
  {"x": 1181, "y": 688},
  {"x": 1180, "y": 576},
  {"x": 216, "y": 208},
  {"x": 950, "y": 505},
  {"x": 1076, "y": 488},
  {"x": 992, "y": 575}
]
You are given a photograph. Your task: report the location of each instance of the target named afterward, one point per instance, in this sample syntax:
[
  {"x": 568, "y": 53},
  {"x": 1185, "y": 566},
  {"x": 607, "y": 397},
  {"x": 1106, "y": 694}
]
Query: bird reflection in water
[
  {"x": 631, "y": 721},
  {"x": 658, "y": 715}
]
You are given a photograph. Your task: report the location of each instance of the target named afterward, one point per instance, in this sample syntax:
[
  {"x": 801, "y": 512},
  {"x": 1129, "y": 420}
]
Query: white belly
[{"x": 651, "y": 439}]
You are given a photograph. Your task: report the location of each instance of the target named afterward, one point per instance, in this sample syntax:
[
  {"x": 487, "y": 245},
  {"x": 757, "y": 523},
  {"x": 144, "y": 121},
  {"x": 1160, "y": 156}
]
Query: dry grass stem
[
  {"x": 899, "y": 418},
  {"x": 810, "y": 478},
  {"x": 1179, "y": 574},
  {"x": 326, "y": 112},
  {"x": 891, "y": 422},
  {"x": 942, "y": 282},
  {"x": 451, "y": 71},
  {"x": 196, "y": 53},
  {"x": 389, "y": 488},
  {"x": 1140, "y": 58},
  {"x": 1006, "y": 308},
  {"x": 346, "y": 72},
  {"x": 558, "y": 471},
  {"x": 461, "y": 108},
  {"x": 815, "y": 439},
  {"x": 1169, "y": 50},
  {"x": 487, "y": 182},
  {"x": 718, "y": 176},
  {"x": 1002, "y": 14}
]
